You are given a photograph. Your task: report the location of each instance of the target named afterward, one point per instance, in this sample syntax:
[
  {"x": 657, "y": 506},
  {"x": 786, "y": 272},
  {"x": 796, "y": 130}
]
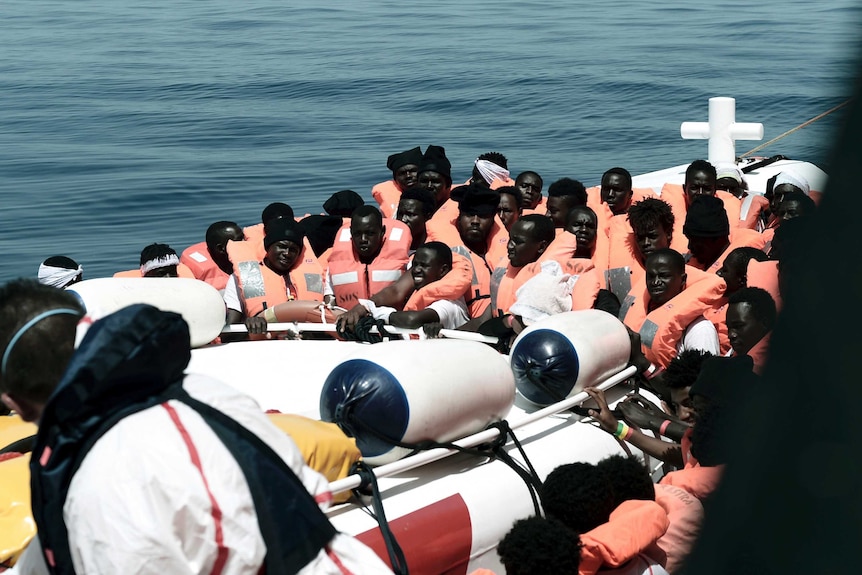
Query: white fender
[
  {"x": 198, "y": 302},
  {"x": 556, "y": 357},
  {"x": 413, "y": 391}
]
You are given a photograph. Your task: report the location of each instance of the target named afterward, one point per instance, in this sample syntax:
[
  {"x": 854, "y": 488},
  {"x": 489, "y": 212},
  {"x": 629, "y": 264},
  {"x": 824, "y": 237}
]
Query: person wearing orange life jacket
[
  {"x": 509, "y": 208},
  {"x": 710, "y": 237},
  {"x": 733, "y": 271},
  {"x": 491, "y": 170},
  {"x": 405, "y": 171},
  {"x": 750, "y": 318},
  {"x": 475, "y": 234},
  {"x": 415, "y": 208},
  {"x": 783, "y": 182},
  {"x": 438, "y": 295},
  {"x": 162, "y": 261},
  {"x": 209, "y": 260},
  {"x": 752, "y": 206},
  {"x": 435, "y": 175},
  {"x": 563, "y": 195},
  {"x": 255, "y": 233},
  {"x": 667, "y": 309},
  {"x": 538, "y": 545},
  {"x": 369, "y": 255},
  {"x": 287, "y": 272},
  {"x": 530, "y": 185}
]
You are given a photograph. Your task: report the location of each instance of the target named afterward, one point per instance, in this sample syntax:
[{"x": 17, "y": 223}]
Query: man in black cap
[
  {"x": 342, "y": 203},
  {"x": 288, "y": 272},
  {"x": 435, "y": 174},
  {"x": 709, "y": 235},
  {"x": 405, "y": 170}
]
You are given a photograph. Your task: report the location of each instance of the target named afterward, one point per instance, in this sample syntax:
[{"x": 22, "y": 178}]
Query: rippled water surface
[{"x": 126, "y": 123}]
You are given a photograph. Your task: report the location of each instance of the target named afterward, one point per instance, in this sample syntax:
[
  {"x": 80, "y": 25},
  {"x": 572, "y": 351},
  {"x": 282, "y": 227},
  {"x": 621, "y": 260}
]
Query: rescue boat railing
[
  {"x": 426, "y": 457},
  {"x": 330, "y": 327}
]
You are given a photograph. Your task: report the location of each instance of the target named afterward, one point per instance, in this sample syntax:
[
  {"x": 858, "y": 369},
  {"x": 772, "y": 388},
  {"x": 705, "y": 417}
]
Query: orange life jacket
[
  {"x": 685, "y": 515},
  {"x": 662, "y": 328},
  {"x": 633, "y": 528},
  {"x": 259, "y": 287},
  {"x": 506, "y": 281},
  {"x": 182, "y": 271},
  {"x": 387, "y": 195},
  {"x": 739, "y": 237},
  {"x": 452, "y": 286},
  {"x": 565, "y": 243},
  {"x": 765, "y": 276},
  {"x": 717, "y": 315},
  {"x": 674, "y": 194},
  {"x": 751, "y": 207},
  {"x": 699, "y": 481},
  {"x": 541, "y": 208},
  {"x": 199, "y": 261},
  {"x": 352, "y": 280}
]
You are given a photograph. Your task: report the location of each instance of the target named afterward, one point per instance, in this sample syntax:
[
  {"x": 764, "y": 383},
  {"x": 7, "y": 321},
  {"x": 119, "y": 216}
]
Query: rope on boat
[{"x": 799, "y": 127}]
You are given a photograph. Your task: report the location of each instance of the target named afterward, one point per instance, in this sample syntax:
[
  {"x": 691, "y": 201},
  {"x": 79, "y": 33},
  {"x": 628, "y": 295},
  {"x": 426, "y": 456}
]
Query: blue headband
[{"x": 23, "y": 329}]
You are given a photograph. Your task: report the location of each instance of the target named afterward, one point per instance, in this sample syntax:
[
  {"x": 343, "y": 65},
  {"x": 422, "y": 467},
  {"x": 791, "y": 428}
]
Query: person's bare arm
[
  {"x": 413, "y": 319},
  {"x": 395, "y": 294}
]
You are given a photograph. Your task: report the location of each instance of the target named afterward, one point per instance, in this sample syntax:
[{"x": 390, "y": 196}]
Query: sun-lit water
[{"x": 125, "y": 123}]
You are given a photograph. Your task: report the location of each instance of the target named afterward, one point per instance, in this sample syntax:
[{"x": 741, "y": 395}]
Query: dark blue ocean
[{"x": 123, "y": 123}]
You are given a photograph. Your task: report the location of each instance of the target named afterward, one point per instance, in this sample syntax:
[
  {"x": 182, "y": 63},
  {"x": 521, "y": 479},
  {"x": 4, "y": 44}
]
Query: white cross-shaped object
[{"x": 722, "y": 130}]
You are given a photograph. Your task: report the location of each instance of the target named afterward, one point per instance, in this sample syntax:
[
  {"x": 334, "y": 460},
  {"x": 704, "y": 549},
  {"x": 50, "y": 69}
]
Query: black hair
[
  {"x": 421, "y": 195},
  {"x": 569, "y": 187},
  {"x": 761, "y": 302},
  {"x": 585, "y": 209},
  {"x": 156, "y": 251},
  {"x": 276, "y": 210},
  {"x": 532, "y": 173},
  {"x": 682, "y": 371},
  {"x": 36, "y": 364},
  {"x": 671, "y": 255},
  {"x": 217, "y": 232},
  {"x": 700, "y": 166},
  {"x": 61, "y": 262},
  {"x": 495, "y": 157},
  {"x": 742, "y": 255},
  {"x": 628, "y": 477},
  {"x": 627, "y": 177},
  {"x": 514, "y": 192},
  {"x": 365, "y": 211},
  {"x": 651, "y": 213},
  {"x": 537, "y": 545},
  {"x": 577, "y": 495},
  {"x": 441, "y": 251},
  {"x": 543, "y": 227}
]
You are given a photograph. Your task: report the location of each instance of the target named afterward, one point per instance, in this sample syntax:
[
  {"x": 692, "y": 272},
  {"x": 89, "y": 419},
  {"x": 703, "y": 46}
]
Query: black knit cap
[
  {"x": 343, "y": 203},
  {"x": 706, "y": 218},
  {"x": 434, "y": 160},
  {"x": 411, "y": 156},
  {"x": 283, "y": 229},
  {"x": 725, "y": 380},
  {"x": 476, "y": 200},
  {"x": 320, "y": 231}
]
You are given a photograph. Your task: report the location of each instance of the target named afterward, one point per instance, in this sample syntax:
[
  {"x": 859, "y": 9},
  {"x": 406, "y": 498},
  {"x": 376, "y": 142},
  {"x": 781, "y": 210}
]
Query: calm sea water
[{"x": 123, "y": 123}]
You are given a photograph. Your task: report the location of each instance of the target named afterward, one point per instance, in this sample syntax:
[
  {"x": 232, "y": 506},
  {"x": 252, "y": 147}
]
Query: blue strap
[{"x": 23, "y": 329}]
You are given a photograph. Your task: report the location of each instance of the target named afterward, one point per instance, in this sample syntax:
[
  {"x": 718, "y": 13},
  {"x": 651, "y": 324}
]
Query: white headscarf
[
  {"x": 58, "y": 277},
  {"x": 162, "y": 262},
  {"x": 546, "y": 293},
  {"x": 728, "y": 170},
  {"x": 794, "y": 179},
  {"x": 491, "y": 171}
]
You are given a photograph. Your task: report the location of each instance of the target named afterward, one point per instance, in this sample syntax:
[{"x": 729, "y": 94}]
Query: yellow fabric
[
  {"x": 13, "y": 428},
  {"x": 324, "y": 446},
  {"x": 17, "y": 527}
]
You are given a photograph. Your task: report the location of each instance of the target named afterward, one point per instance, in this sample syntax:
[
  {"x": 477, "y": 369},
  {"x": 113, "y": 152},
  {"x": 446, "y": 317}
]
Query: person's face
[
  {"x": 778, "y": 195},
  {"x": 733, "y": 274},
  {"x": 523, "y": 248},
  {"x": 729, "y": 185},
  {"x": 558, "y": 209},
  {"x": 789, "y": 209},
  {"x": 700, "y": 183},
  {"x": 615, "y": 193},
  {"x": 474, "y": 228},
  {"x": 162, "y": 272},
  {"x": 232, "y": 233},
  {"x": 706, "y": 250},
  {"x": 743, "y": 329},
  {"x": 530, "y": 188},
  {"x": 406, "y": 176},
  {"x": 436, "y": 184},
  {"x": 411, "y": 213},
  {"x": 426, "y": 268},
  {"x": 282, "y": 255},
  {"x": 477, "y": 179},
  {"x": 367, "y": 236},
  {"x": 682, "y": 405},
  {"x": 663, "y": 281},
  {"x": 508, "y": 210},
  {"x": 651, "y": 240},
  {"x": 584, "y": 227}
]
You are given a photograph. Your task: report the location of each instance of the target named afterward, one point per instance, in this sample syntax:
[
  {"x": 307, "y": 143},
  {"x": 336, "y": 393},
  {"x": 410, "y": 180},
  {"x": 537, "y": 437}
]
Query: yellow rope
[{"x": 799, "y": 127}]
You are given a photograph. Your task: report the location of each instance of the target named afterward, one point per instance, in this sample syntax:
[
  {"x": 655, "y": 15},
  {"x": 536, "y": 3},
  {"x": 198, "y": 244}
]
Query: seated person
[
  {"x": 209, "y": 260},
  {"x": 342, "y": 203},
  {"x": 405, "y": 171},
  {"x": 563, "y": 195},
  {"x": 159, "y": 261},
  {"x": 793, "y": 205},
  {"x": 537, "y": 545},
  {"x": 667, "y": 309},
  {"x": 530, "y": 185},
  {"x": 287, "y": 272},
  {"x": 491, "y": 170},
  {"x": 415, "y": 208},
  {"x": 750, "y": 318},
  {"x": 710, "y": 237},
  {"x": 734, "y": 272},
  {"x": 60, "y": 272},
  {"x": 509, "y": 209},
  {"x": 255, "y": 233},
  {"x": 435, "y": 175},
  {"x": 435, "y": 300},
  {"x": 785, "y": 181}
]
